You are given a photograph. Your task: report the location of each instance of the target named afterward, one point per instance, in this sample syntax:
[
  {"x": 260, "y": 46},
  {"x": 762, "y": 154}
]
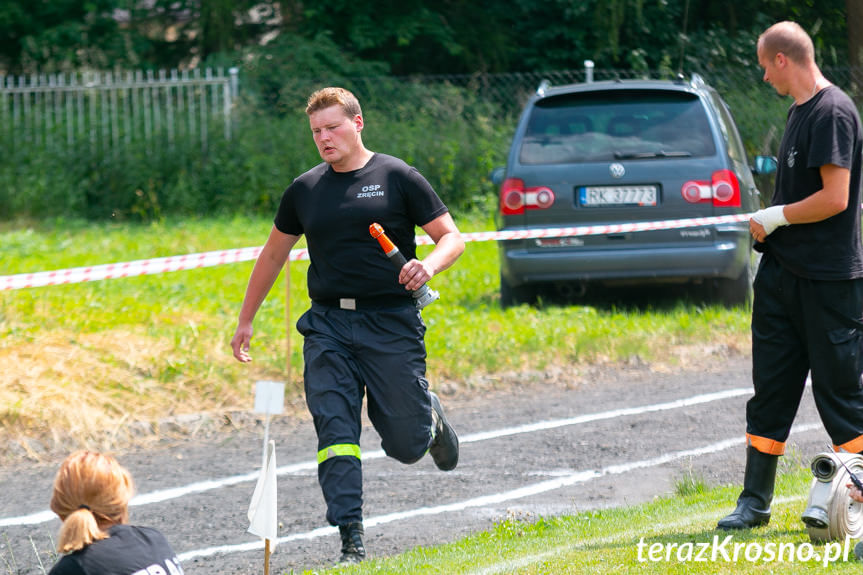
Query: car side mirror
[
  {"x": 765, "y": 165},
  {"x": 496, "y": 175}
]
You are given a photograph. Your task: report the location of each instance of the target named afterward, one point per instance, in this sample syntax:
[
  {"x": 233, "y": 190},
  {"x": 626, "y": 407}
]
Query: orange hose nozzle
[{"x": 377, "y": 232}]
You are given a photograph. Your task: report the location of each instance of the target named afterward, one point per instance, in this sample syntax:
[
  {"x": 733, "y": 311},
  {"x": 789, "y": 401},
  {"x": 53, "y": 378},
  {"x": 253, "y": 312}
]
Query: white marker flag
[{"x": 263, "y": 510}]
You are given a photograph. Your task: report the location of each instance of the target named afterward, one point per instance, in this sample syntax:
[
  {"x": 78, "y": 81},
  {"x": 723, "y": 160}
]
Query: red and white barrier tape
[
  {"x": 210, "y": 259},
  {"x": 134, "y": 268},
  {"x": 597, "y": 230}
]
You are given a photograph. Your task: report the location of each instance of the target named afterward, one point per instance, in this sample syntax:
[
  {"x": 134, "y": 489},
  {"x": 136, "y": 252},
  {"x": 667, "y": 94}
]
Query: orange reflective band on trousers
[
  {"x": 766, "y": 445},
  {"x": 853, "y": 446}
]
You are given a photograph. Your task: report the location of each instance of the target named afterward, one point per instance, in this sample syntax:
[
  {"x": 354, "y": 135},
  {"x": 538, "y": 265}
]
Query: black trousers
[
  {"x": 800, "y": 326},
  {"x": 347, "y": 354}
]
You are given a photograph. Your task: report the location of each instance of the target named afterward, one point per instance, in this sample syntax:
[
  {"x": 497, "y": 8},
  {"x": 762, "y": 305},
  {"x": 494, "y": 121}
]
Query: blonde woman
[{"x": 91, "y": 497}]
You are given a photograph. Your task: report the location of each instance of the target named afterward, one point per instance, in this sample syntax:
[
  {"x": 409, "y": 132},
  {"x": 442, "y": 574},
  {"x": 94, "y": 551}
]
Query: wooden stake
[{"x": 266, "y": 557}]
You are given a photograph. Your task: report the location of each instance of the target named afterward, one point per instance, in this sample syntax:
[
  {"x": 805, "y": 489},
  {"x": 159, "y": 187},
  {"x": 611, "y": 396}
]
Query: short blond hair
[
  {"x": 334, "y": 96},
  {"x": 90, "y": 488},
  {"x": 790, "y": 39}
]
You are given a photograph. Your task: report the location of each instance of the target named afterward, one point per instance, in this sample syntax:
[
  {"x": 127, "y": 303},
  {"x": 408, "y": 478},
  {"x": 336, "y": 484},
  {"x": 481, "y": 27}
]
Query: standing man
[
  {"x": 363, "y": 333},
  {"x": 807, "y": 316}
]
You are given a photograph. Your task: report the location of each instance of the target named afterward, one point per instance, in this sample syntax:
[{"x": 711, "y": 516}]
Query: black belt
[{"x": 378, "y": 302}]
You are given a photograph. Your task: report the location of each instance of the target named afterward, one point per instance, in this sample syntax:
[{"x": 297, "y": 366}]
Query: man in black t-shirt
[
  {"x": 807, "y": 315},
  {"x": 363, "y": 334}
]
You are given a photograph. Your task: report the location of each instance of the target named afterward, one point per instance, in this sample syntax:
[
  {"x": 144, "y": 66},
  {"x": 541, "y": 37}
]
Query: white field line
[
  {"x": 208, "y": 485},
  {"x": 621, "y": 536},
  {"x": 495, "y": 498}
]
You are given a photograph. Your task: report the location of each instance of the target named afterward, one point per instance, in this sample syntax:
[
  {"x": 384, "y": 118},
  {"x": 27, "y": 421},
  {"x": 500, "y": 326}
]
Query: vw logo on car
[{"x": 616, "y": 170}]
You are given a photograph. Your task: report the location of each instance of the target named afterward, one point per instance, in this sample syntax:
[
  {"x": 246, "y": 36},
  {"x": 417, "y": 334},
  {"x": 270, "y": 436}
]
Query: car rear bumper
[{"x": 723, "y": 258}]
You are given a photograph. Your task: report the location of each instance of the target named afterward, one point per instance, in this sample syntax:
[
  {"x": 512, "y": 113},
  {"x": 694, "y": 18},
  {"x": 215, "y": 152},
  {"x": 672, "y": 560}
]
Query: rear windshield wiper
[{"x": 659, "y": 154}]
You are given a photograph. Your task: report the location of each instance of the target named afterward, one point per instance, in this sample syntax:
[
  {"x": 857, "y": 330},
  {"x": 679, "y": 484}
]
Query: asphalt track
[{"x": 599, "y": 438}]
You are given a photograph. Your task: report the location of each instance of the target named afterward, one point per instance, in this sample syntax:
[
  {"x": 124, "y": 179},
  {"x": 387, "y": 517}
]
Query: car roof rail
[
  {"x": 697, "y": 81},
  {"x": 543, "y": 86}
]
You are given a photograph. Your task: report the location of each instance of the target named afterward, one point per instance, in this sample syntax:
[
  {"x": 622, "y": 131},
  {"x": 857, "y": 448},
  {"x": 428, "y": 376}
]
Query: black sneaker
[
  {"x": 444, "y": 447},
  {"x": 353, "y": 550}
]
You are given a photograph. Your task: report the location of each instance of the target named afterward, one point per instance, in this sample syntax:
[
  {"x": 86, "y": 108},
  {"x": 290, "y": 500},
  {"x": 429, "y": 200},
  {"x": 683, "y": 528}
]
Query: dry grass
[{"x": 102, "y": 390}]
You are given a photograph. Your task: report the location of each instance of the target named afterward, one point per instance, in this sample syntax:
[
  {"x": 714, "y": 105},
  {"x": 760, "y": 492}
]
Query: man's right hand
[
  {"x": 768, "y": 219},
  {"x": 240, "y": 343}
]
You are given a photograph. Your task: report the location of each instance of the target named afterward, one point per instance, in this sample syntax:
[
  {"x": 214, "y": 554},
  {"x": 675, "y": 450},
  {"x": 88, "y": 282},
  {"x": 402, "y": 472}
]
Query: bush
[
  {"x": 454, "y": 130},
  {"x": 447, "y": 133}
]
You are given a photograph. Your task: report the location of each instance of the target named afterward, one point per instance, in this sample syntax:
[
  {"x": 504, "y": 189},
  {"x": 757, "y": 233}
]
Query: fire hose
[
  {"x": 423, "y": 295},
  {"x": 830, "y": 513}
]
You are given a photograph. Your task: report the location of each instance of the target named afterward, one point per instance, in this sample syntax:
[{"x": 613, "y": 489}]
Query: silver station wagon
[{"x": 607, "y": 153}]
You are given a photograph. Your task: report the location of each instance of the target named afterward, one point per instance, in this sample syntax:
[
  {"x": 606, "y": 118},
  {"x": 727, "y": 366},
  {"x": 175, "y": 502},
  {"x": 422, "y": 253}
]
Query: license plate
[
  {"x": 598, "y": 196},
  {"x": 558, "y": 242}
]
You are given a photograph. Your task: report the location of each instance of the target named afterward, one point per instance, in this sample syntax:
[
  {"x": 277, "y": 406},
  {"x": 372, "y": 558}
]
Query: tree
[
  {"x": 180, "y": 33},
  {"x": 417, "y": 36},
  {"x": 855, "y": 43},
  {"x": 47, "y": 36},
  {"x": 58, "y": 35}
]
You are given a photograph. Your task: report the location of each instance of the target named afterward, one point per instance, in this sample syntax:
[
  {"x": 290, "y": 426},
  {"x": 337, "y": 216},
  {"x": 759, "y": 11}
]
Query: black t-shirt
[
  {"x": 824, "y": 130},
  {"x": 335, "y": 209},
  {"x": 128, "y": 551}
]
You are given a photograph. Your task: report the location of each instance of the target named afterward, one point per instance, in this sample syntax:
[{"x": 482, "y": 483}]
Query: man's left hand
[{"x": 414, "y": 274}]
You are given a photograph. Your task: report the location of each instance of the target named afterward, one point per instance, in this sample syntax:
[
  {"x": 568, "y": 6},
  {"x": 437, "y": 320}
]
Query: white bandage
[{"x": 770, "y": 218}]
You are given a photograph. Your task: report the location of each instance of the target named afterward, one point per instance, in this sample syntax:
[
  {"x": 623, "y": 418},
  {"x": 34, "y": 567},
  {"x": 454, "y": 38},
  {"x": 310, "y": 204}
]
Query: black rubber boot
[
  {"x": 753, "y": 505},
  {"x": 353, "y": 550}
]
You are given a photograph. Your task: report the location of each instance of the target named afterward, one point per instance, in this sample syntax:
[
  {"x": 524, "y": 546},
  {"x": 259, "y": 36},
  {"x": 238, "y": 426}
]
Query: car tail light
[
  {"x": 723, "y": 190},
  {"x": 726, "y": 189},
  {"x": 515, "y": 197}
]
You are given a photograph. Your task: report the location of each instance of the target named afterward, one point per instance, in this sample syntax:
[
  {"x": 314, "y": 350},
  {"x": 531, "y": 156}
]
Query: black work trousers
[
  {"x": 800, "y": 326},
  {"x": 348, "y": 354}
]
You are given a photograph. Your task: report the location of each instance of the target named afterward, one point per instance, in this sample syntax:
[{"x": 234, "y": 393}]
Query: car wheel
[
  {"x": 515, "y": 295},
  {"x": 738, "y": 291}
]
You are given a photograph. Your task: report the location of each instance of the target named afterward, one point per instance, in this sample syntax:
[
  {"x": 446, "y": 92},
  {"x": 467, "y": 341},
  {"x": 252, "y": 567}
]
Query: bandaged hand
[{"x": 770, "y": 218}]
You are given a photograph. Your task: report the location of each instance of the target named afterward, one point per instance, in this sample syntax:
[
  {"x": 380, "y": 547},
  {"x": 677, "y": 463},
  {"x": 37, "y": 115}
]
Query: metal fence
[
  {"x": 107, "y": 110},
  {"x": 511, "y": 90},
  {"x": 502, "y": 96}
]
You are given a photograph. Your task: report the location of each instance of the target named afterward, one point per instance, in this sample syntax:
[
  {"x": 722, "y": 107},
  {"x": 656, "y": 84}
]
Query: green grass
[
  {"x": 158, "y": 345},
  {"x": 607, "y": 541}
]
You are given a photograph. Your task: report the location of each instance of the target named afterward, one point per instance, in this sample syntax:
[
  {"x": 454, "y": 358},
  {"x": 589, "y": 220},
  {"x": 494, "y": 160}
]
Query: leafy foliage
[
  {"x": 284, "y": 72},
  {"x": 48, "y": 36},
  {"x": 447, "y": 36}
]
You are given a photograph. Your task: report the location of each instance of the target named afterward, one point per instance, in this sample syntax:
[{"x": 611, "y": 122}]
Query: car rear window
[{"x": 616, "y": 125}]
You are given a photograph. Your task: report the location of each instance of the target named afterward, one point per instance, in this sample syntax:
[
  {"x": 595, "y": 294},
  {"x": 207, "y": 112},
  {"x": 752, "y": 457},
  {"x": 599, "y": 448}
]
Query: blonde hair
[
  {"x": 91, "y": 493},
  {"x": 790, "y": 39},
  {"x": 334, "y": 96}
]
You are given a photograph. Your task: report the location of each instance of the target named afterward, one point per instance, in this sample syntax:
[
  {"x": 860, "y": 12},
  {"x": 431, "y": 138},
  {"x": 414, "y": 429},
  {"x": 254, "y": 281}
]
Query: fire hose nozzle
[{"x": 423, "y": 295}]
